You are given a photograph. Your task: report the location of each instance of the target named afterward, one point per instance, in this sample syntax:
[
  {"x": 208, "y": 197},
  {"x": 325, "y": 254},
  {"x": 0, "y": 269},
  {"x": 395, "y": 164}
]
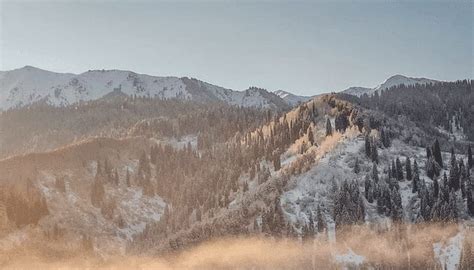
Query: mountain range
[
  {"x": 30, "y": 85},
  {"x": 387, "y": 84},
  {"x": 120, "y": 174}
]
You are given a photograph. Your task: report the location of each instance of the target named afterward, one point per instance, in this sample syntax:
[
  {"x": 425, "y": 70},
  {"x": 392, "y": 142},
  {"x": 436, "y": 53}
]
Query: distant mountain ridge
[
  {"x": 292, "y": 99},
  {"x": 29, "y": 85},
  {"x": 390, "y": 82}
]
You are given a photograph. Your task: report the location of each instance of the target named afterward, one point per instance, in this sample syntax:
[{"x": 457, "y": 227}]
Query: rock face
[{"x": 29, "y": 85}]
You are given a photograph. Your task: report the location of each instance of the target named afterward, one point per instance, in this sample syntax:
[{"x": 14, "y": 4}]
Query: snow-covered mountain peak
[
  {"x": 292, "y": 99},
  {"x": 400, "y": 79},
  {"x": 387, "y": 84},
  {"x": 29, "y": 85},
  {"x": 281, "y": 93}
]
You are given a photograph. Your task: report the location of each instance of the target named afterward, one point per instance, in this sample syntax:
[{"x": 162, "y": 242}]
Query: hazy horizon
[{"x": 305, "y": 48}]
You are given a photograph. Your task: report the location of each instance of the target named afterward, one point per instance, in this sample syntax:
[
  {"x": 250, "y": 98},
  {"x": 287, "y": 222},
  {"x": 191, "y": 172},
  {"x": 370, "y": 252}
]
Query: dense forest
[
  {"x": 449, "y": 105},
  {"x": 41, "y": 127}
]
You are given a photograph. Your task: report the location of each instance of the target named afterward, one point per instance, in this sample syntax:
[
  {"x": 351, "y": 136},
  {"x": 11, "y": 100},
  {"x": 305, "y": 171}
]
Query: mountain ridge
[
  {"x": 30, "y": 85},
  {"x": 387, "y": 84}
]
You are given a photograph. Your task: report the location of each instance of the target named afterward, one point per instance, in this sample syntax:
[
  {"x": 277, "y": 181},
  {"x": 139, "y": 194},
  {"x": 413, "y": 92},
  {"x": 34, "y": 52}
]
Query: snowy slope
[
  {"x": 387, "y": 84},
  {"x": 28, "y": 85},
  {"x": 292, "y": 99}
]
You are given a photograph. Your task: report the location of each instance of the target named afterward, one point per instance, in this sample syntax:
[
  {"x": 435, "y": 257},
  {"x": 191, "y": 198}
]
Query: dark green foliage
[
  {"x": 375, "y": 173},
  {"x": 368, "y": 147},
  {"x": 23, "y": 209},
  {"x": 399, "y": 169},
  {"x": 328, "y": 127},
  {"x": 428, "y": 105},
  {"x": 356, "y": 166},
  {"x": 321, "y": 224},
  {"x": 470, "y": 161},
  {"x": 341, "y": 122},
  {"x": 348, "y": 205},
  {"x": 408, "y": 169},
  {"x": 416, "y": 177},
  {"x": 437, "y": 153}
]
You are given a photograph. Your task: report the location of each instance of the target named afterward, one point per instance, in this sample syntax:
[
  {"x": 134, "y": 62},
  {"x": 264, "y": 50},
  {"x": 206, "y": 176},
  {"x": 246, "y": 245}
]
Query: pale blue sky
[{"x": 303, "y": 47}]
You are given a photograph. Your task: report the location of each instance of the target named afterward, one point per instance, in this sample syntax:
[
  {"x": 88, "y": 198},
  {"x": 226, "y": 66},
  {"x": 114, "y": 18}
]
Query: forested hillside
[
  {"x": 444, "y": 105},
  {"x": 145, "y": 176}
]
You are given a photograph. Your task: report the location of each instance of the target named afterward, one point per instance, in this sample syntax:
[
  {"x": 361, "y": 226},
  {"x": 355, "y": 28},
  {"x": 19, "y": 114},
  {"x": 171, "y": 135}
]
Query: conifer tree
[
  {"x": 435, "y": 188},
  {"x": 454, "y": 174},
  {"x": 356, "y": 166},
  {"x": 310, "y": 136},
  {"x": 394, "y": 170},
  {"x": 368, "y": 189},
  {"x": 408, "y": 169},
  {"x": 127, "y": 178},
  {"x": 470, "y": 162},
  {"x": 374, "y": 152},
  {"x": 416, "y": 177},
  {"x": 375, "y": 173},
  {"x": 321, "y": 223},
  {"x": 328, "y": 128},
  {"x": 98, "y": 192},
  {"x": 469, "y": 200},
  {"x": 276, "y": 162},
  {"x": 437, "y": 153},
  {"x": 399, "y": 170},
  {"x": 368, "y": 147}
]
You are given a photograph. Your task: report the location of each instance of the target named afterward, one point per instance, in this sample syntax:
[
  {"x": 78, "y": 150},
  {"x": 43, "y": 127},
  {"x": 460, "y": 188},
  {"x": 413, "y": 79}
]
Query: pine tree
[
  {"x": 375, "y": 173},
  {"x": 127, "y": 178},
  {"x": 310, "y": 136},
  {"x": 463, "y": 178},
  {"x": 469, "y": 201},
  {"x": 470, "y": 162},
  {"x": 144, "y": 164},
  {"x": 328, "y": 128},
  {"x": 454, "y": 174},
  {"x": 445, "y": 188},
  {"x": 453, "y": 158},
  {"x": 399, "y": 170},
  {"x": 356, "y": 166},
  {"x": 437, "y": 153},
  {"x": 374, "y": 152},
  {"x": 368, "y": 189},
  {"x": 416, "y": 177},
  {"x": 432, "y": 168},
  {"x": 396, "y": 203},
  {"x": 368, "y": 147},
  {"x": 276, "y": 162},
  {"x": 435, "y": 188},
  {"x": 394, "y": 170},
  {"x": 321, "y": 224},
  {"x": 408, "y": 169},
  {"x": 311, "y": 226},
  {"x": 116, "y": 178},
  {"x": 98, "y": 192},
  {"x": 382, "y": 137}
]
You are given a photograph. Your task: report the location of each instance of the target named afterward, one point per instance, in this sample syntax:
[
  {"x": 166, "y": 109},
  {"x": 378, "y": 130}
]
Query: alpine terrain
[{"x": 112, "y": 168}]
